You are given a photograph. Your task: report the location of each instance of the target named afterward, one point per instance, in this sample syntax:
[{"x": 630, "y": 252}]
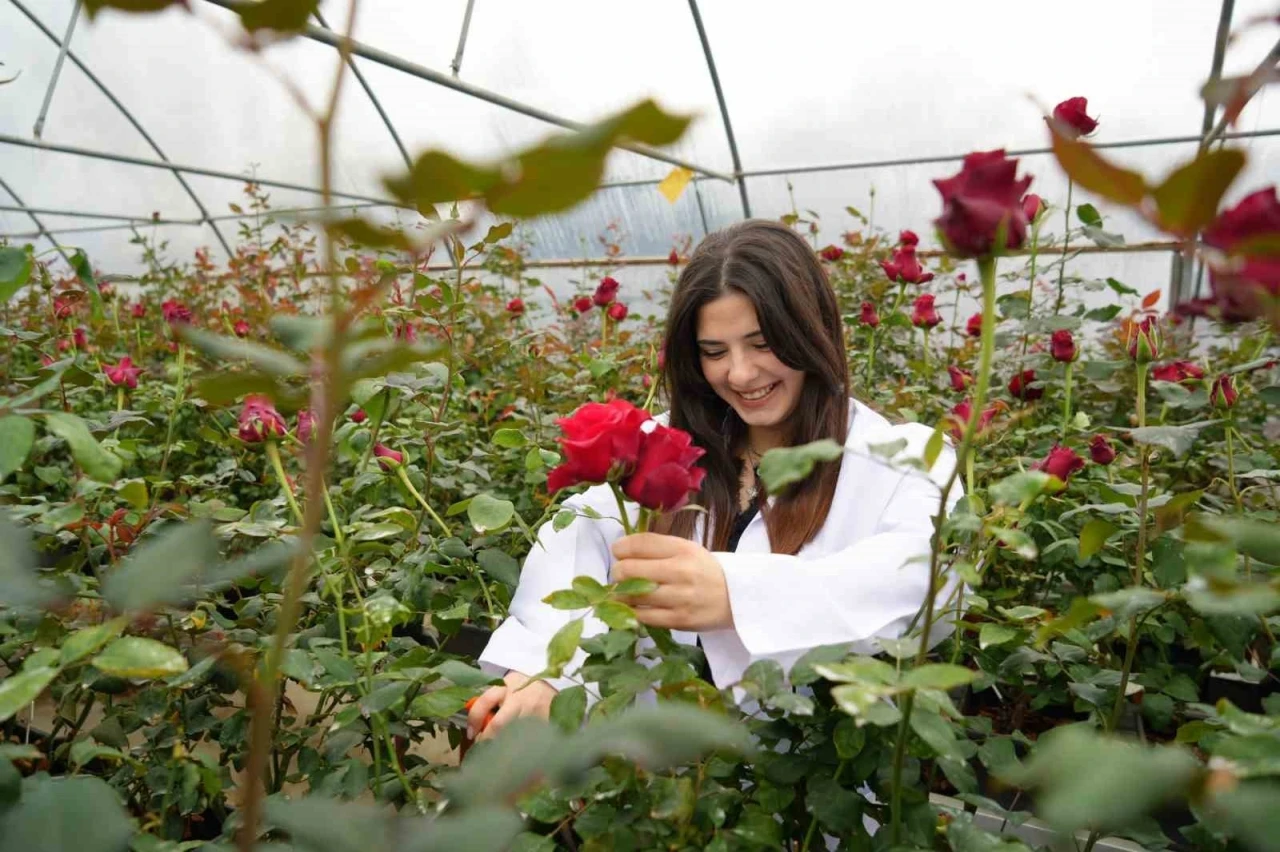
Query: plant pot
[
  {"x": 469, "y": 641},
  {"x": 1240, "y": 692}
]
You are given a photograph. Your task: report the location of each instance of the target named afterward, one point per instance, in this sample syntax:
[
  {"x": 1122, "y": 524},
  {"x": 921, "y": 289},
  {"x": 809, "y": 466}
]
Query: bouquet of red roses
[{"x": 618, "y": 443}]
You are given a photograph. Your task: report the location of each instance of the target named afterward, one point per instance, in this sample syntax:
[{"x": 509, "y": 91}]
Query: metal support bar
[
  {"x": 82, "y": 214},
  {"x": 456, "y": 64},
  {"x": 57, "y": 70},
  {"x": 368, "y": 90},
  {"x": 102, "y": 87},
  {"x": 1272, "y": 57},
  {"x": 390, "y": 60},
  {"x": 132, "y": 223},
  {"x": 6, "y": 139},
  {"x": 43, "y": 231},
  {"x": 724, "y": 109},
  {"x": 90, "y": 229}
]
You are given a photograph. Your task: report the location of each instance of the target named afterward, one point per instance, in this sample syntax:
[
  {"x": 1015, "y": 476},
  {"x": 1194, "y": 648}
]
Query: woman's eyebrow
[{"x": 756, "y": 333}]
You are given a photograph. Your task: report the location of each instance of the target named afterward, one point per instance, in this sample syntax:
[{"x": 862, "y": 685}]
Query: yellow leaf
[{"x": 673, "y": 185}]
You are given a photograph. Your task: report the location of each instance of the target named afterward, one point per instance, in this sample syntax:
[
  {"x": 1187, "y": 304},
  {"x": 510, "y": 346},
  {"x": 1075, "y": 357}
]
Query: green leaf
[
  {"x": 933, "y": 448},
  {"x": 995, "y": 634},
  {"x": 278, "y": 15},
  {"x": 635, "y": 587},
  {"x": 157, "y": 571},
  {"x": 1270, "y": 395},
  {"x": 509, "y": 438},
  {"x": 1022, "y": 487},
  {"x": 97, "y": 463},
  {"x": 1188, "y": 199},
  {"x": 1104, "y": 314},
  {"x": 19, "y": 582},
  {"x": 83, "y": 751},
  {"x": 1088, "y": 780},
  {"x": 134, "y": 492},
  {"x": 1134, "y": 600},
  {"x": 441, "y": 703},
  {"x": 617, "y": 615},
  {"x": 1088, "y": 215},
  {"x": 838, "y": 809},
  {"x": 499, "y": 565},
  {"x": 1092, "y": 172},
  {"x": 137, "y": 656},
  {"x": 1014, "y": 305},
  {"x": 568, "y": 708},
  {"x": 1093, "y": 536},
  {"x": 77, "y": 814},
  {"x": 566, "y": 599},
  {"x": 1257, "y": 539},
  {"x": 563, "y": 645},
  {"x": 804, "y": 671},
  {"x": 84, "y": 271},
  {"x": 489, "y": 514},
  {"x": 1120, "y": 288},
  {"x": 848, "y": 739},
  {"x": 19, "y": 690},
  {"x": 964, "y": 836},
  {"x": 942, "y": 676},
  {"x": 86, "y": 640},
  {"x": 15, "y": 270},
  {"x": 1247, "y": 812},
  {"x": 1177, "y": 439},
  {"x": 270, "y": 361},
  {"x": 785, "y": 465},
  {"x": 590, "y": 588}
]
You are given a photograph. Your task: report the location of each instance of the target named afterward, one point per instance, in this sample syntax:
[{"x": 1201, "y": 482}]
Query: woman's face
[{"x": 738, "y": 364}]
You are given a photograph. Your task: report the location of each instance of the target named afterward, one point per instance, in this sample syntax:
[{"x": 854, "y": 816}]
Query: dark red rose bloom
[
  {"x": 241, "y": 328},
  {"x": 961, "y": 413},
  {"x": 1246, "y": 283},
  {"x": 515, "y": 307},
  {"x": 1032, "y": 204},
  {"x": 1061, "y": 462},
  {"x": 1143, "y": 340},
  {"x": 582, "y": 304},
  {"x": 63, "y": 308},
  {"x": 175, "y": 312},
  {"x": 306, "y": 425},
  {"x": 974, "y": 326},
  {"x": 664, "y": 475},
  {"x": 388, "y": 459},
  {"x": 138, "y": 310},
  {"x": 908, "y": 238},
  {"x": 1073, "y": 112},
  {"x": 869, "y": 315},
  {"x": 909, "y": 269},
  {"x": 617, "y": 312},
  {"x": 1020, "y": 386},
  {"x": 599, "y": 439},
  {"x": 123, "y": 373},
  {"x": 923, "y": 314},
  {"x": 890, "y": 270},
  {"x": 358, "y": 416},
  {"x": 1062, "y": 346},
  {"x": 984, "y": 197},
  {"x": 674, "y": 258},
  {"x": 1177, "y": 371},
  {"x": 605, "y": 293},
  {"x": 1224, "y": 393},
  {"x": 960, "y": 379},
  {"x": 80, "y": 338},
  {"x": 831, "y": 253},
  {"x": 1101, "y": 451},
  {"x": 260, "y": 421}
]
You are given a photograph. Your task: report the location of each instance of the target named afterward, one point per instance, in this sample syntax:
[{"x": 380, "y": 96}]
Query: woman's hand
[
  {"x": 691, "y": 594},
  {"x": 511, "y": 702}
]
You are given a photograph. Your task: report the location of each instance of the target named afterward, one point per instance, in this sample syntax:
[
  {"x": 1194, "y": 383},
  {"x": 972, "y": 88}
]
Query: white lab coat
[{"x": 862, "y": 577}]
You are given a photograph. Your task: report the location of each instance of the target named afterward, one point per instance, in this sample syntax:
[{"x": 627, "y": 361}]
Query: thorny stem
[
  {"x": 327, "y": 378},
  {"x": 273, "y": 453},
  {"x": 987, "y": 272},
  {"x": 1066, "y": 243},
  {"x": 173, "y": 406},
  {"x": 404, "y": 478}
]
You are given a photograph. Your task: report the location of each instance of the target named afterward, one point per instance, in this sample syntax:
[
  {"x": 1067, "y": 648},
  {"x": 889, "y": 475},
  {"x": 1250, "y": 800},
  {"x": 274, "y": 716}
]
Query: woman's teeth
[{"x": 760, "y": 394}]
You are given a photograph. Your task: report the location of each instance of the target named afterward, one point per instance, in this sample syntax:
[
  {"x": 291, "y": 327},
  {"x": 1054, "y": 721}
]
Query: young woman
[{"x": 754, "y": 360}]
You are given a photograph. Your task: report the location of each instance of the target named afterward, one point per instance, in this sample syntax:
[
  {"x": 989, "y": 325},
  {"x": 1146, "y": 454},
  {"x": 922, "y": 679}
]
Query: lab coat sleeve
[
  {"x": 582, "y": 548},
  {"x": 784, "y": 605}
]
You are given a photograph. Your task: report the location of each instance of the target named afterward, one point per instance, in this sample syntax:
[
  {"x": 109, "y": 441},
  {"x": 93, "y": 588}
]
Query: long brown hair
[{"x": 773, "y": 267}]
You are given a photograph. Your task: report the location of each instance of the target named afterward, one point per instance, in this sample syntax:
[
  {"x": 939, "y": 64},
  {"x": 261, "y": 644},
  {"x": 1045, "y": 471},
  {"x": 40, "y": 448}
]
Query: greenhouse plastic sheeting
[{"x": 805, "y": 84}]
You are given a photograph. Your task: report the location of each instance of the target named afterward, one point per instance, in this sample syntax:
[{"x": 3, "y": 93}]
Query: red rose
[
  {"x": 665, "y": 475},
  {"x": 1062, "y": 346},
  {"x": 1142, "y": 340},
  {"x": 138, "y": 310},
  {"x": 617, "y": 312},
  {"x": 923, "y": 314},
  {"x": 306, "y": 425},
  {"x": 1224, "y": 393},
  {"x": 1101, "y": 451},
  {"x": 1032, "y": 204},
  {"x": 388, "y": 459},
  {"x": 259, "y": 420},
  {"x": 1176, "y": 371},
  {"x": 358, "y": 416},
  {"x": 974, "y": 326},
  {"x": 960, "y": 415},
  {"x": 1072, "y": 113},
  {"x": 890, "y": 269},
  {"x": 674, "y": 258},
  {"x": 1245, "y": 282},
  {"x": 80, "y": 338},
  {"x": 1061, "y": 462},
  {"x": 979, "y": 201},
  {"x": 605, "y": 293},
  {"x": 599, "y": 439},
  {"x": 241, "y": 328},
  {"x": 1020, "y": 386},
  {"x": 63, "y": 308},
  {"x": 908, "y": 238},
  {"x": 406, "y": 333},
  {"x": 122, "y": 373},
  {"x": 909, "y": 269},
  {"x": 515, "y": 307},
  {"x": 960, "y": 379},
  {"x": 174, "y": 312},
  {"x": 831, "y": 253},
  {"x": 868, "y": 315}
]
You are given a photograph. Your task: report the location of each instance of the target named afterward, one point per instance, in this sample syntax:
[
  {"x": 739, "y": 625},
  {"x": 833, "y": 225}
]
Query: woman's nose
[{"x": 741, "y": 371}]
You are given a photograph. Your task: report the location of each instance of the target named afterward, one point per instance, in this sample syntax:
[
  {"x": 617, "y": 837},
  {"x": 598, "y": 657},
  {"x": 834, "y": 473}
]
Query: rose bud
[
  {"x": 974, "y": 326},
  {"x": 1143, "y": 340},
  {"x": 260, "y": 421},
  {"x": 241, "y": 328},
  {"x": 515, "y": 307},
  {"x": 923, "y": 314},
  {"x": 1224, "y": 393},
  {"x": 582, "y": 304},
  {"x": 1101, "y": 451},
  {"x": 1032, "y": 204},
  {"x": 388, "y": 458},
  {"x": 1062, "y": 346},
  {"x": 1020, "y": 386},
  {"x": 1073, "y": 113},
  {"x": 1061, "y": 462},
  {"x": 831, "y": 253},
  {"x": 960, "y": 379},
  {"x": 605, "y": 293},
  {"x": 980, "y": 202},
  {"x": 358, "y": 416},
  {"x": 617, "y": 312},
  {"x": 869, "y": 315}
]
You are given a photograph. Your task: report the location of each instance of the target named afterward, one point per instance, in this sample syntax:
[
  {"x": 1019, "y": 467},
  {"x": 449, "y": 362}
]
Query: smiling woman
[{"x": 754, "y": 362}]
